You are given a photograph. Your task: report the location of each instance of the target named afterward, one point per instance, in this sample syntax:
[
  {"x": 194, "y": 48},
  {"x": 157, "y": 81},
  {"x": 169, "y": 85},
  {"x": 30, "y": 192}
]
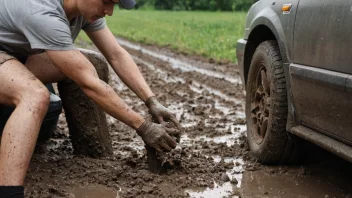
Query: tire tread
[{"x": 277, "y": 146}]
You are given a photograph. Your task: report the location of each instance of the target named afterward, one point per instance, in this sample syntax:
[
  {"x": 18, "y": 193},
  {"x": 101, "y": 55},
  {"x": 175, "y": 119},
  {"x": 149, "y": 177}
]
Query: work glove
[
  {"x": 160, "y": 113},
  {"x": 157, "y": 136}
]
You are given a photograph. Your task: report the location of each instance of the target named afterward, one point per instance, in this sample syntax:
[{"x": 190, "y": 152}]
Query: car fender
[{"x": 268, "y": 17}]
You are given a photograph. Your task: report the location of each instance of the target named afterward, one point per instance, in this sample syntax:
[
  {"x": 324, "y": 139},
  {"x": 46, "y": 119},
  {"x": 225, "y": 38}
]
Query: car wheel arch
[{"x": 258, "y": 35}]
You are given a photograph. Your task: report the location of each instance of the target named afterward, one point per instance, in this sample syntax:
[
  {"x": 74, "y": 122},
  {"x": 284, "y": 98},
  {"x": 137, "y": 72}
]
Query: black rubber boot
[{"x": 11, "y": 192}]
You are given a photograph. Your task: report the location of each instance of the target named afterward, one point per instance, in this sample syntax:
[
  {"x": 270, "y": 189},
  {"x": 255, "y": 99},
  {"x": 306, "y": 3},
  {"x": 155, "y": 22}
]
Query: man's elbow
[{"x": 89, "y": 85}]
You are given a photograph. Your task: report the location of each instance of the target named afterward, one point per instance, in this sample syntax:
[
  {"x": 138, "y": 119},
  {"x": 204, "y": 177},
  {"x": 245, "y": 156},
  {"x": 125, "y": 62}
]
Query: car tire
[{"x": 267, "y": 109}]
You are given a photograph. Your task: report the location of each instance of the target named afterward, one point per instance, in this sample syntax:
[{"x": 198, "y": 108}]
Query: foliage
[{"x": 213, "y": 5}]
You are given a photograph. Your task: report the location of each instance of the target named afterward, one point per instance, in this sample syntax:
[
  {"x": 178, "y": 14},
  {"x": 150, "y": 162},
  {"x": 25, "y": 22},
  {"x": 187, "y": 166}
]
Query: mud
[{"x": 212, "y": 159}]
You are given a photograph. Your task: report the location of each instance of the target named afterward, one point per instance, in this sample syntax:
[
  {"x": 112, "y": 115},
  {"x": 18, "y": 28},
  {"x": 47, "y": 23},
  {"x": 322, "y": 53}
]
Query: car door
[{"x": 322, "y": 64}]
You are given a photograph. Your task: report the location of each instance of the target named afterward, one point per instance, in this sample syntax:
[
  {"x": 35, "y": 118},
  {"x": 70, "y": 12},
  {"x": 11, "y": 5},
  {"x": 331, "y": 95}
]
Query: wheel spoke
[
  {"x": 255, "y": 127},
  {"x": 255, "y": 109},
  {"x": 265, "y": 82},
  {"x": 267, "y": 106},
  {"x": 263, "y": 127}
]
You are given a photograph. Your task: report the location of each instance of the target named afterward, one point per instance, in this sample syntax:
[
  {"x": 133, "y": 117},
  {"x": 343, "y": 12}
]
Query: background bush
[{"x": 211, "y": 5}]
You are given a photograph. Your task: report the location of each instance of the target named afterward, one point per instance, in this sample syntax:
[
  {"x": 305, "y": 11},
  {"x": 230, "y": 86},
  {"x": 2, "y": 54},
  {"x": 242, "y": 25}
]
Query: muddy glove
[
  {"x": 160, "y": 113},
  {"x": 156, "y": 136}
]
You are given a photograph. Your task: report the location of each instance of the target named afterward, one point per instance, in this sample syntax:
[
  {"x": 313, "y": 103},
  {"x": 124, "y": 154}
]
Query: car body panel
[
  {"x": 323, "y": 34},
  {"x": 314, "y": 41},
  {"x": 323, "y": 42},
  {"x": 321, "y": 101}
]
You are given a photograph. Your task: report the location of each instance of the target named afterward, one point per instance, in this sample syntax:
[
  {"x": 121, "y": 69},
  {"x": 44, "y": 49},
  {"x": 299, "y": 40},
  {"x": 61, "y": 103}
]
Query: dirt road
[{"x": 212, "y": 159}]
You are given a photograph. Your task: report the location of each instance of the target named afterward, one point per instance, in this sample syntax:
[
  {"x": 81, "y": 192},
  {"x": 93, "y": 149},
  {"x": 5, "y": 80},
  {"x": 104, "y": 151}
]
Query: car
[
  {"x": 50, "y": 121},
  {"x": 295, "y": 64}
]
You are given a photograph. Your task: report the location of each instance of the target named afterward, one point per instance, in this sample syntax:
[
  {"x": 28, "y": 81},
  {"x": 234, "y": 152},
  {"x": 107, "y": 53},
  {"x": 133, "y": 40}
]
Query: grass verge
[{"x": 210, "y": 34}]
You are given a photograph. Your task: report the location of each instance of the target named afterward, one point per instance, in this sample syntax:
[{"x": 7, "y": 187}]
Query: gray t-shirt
[{"x": 31, "y": 26}]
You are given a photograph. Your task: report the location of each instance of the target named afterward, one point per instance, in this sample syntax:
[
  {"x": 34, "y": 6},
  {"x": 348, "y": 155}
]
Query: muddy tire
[
  {"x": 266, "y": 108},
  {"x": 86, "y": 121}
]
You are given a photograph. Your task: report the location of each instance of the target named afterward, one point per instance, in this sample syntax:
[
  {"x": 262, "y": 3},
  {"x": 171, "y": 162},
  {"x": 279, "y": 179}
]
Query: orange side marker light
[{"x": 286, "y": 7}]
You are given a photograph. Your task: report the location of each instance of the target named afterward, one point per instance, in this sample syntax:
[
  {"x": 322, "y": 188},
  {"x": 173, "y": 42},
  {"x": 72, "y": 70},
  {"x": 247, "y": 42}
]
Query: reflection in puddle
[
  {"x": 218, "y": 191},
  {"x": 189, "y": 124},
  {"x": 137, "y": 146},
  {"x": 229, "y": 139},
  {"x": 198, "y": 87},
  {"x": 228, "y": 111},
  {"x": 237, "y": 170},
  {"x": 94, "y": 192},
  {"x": 162, "y": 74},
  {"x": 235, "y": 174},
  {"x": 225, "y": 189},
  {"x": 178, "y": 110},
  {"x": 180, "y": 64}
]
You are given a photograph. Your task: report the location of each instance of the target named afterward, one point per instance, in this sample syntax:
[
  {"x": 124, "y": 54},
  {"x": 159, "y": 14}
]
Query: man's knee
[
  {"x": 42, "y": 96},
  {"x": 38, "y": 98}
]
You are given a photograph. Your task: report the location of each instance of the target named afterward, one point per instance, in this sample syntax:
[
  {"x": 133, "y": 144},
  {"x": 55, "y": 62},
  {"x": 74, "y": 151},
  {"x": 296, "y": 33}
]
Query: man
[{"x": 36, "y": 44}]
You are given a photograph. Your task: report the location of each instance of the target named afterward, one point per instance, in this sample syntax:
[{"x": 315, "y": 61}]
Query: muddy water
[
  {"x": 94, "y": 191},
  {"x": 212, "y": 159}
]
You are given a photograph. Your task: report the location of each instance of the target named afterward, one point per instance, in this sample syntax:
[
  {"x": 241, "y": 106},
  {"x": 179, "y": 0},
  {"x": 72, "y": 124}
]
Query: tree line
[{"x": 212, "y": 5}]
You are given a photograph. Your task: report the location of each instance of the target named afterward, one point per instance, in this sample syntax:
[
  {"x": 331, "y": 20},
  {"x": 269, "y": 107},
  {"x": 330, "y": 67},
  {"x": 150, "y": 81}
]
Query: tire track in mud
[
  {"x": 213, "y": 150},
  {"x": 185, "y": 64}
]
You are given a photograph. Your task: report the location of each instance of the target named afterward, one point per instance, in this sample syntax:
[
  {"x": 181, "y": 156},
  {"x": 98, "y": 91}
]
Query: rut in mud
[{"x": 208, "y": 101}]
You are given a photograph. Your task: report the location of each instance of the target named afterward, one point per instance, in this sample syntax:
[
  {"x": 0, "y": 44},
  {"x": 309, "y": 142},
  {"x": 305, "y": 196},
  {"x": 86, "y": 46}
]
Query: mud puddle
[
  {"x": 212, "y": 159},
  {"x": 94, "y": 191}
]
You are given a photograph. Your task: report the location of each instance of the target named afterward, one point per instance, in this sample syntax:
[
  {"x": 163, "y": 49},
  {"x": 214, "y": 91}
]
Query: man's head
[
  {"x": 92, "y": 10},
  {"x": 127, "y": 4}
]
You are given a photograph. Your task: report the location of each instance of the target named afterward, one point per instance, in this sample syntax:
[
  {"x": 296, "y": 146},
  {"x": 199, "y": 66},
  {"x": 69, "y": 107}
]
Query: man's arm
[
  {"x": 78, "y": 68},
  {"x": 127, "y": 70},
  {"x": 121, "y": 62}
]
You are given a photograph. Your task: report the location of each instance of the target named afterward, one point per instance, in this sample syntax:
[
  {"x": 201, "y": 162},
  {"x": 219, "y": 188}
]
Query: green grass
[{"x": 210, "y": 34}]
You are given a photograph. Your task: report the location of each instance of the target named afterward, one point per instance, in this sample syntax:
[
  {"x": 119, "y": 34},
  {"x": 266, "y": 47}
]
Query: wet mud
[{"x": 211, "y": 160}]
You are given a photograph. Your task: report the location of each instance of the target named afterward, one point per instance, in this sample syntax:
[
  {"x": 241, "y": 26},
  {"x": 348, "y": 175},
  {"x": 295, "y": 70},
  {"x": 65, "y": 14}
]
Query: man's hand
[
  {"x": 156, "y": 136},
  {"x": 160, "y": 113}
]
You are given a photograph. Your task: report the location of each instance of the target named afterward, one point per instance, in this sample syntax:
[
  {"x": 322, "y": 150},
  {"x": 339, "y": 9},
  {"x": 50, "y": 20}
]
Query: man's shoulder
[{"x": 22, "y": 9}]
